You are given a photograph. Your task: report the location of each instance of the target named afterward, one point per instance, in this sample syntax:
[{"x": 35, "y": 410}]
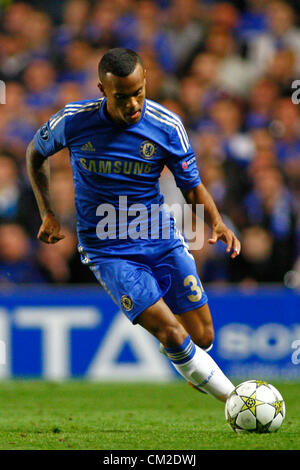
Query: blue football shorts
[{"x": 137, "y": 282}]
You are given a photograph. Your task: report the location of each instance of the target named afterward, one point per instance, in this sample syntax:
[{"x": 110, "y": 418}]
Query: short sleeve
[
  {"x": 182, "y": 160},
  {"x": 51, "y": 137}
]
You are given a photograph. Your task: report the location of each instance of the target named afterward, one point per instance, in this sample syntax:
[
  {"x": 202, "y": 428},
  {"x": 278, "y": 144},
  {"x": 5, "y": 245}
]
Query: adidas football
[{"x": 255, "y": 406}]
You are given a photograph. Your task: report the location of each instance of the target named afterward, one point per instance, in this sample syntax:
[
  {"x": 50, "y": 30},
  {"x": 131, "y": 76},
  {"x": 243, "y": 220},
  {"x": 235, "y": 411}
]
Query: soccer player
[{"x": 118, "y": 147}]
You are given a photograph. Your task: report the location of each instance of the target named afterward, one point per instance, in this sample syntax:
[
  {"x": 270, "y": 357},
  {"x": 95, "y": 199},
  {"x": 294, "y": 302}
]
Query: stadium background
[{"x": 227, "y": 69}]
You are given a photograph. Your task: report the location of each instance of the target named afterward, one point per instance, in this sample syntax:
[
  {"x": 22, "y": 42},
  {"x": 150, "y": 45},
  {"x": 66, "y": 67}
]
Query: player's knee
[{"x": 172, "y": 335}]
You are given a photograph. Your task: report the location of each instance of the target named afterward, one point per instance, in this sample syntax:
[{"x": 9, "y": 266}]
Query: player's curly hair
[{"x": 118, "y": 61}]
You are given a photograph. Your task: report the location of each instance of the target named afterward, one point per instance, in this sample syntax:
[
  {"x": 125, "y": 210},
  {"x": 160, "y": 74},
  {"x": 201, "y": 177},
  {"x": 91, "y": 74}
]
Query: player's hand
[
  {"x": 221, "y": 232},
  {"x": 50, "y": 230}
]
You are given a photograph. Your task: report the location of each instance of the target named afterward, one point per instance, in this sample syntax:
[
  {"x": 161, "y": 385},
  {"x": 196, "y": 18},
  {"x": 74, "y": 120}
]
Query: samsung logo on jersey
[{"x": 117, "y": 167}]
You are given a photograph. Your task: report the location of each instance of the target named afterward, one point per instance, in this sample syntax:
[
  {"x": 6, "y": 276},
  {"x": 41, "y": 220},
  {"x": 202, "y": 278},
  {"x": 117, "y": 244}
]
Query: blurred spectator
[
  {"x": 223, "y": 174},
  {"x": 253, "y": 21},
  {"x": 17, "y": 261},
  {"x": 68, "y": 92},
  {"x": 214, "y": 178},
  {"x": 74, "y": 18},
  {"x": 224, "y": 67},
  {"x": 76, "y": 56},
  {"x": 62, "y": 197},
  {"x": 159, "y": 85},
  {"x": 9, "y": 188},
  {"x": 15, "y": 16},
  {"x": 282, "y": 70},
  {"x": 261, "y": 100},
  {"x": 101, "y": 30},
  {"x": 282, "y": 34},
  {"x": 235, "y": 74},
  {"x": 174, "y": 106},
  {"x": 205, "y": 68},
  {"x": 207, "y": 142},
  {"x": 228, "y": 116},
  {"x": 225, "y": 15},
  {"x": 14, "y": 56},
  {"x": 39, "y": 79},
  {"x": 264, "y": 154},
  {"x": 61, "y": 263},
  {"x": 37, "y": 34},
  {"x": 144, "y": 33},
  {"x": 257, "y": 262},
  {"x": 16, "y": 201},
  {"x": 270, "y": 205},
  {"x": 286, "y": 131},
  {"x": 18, "y": 122},
  {"x": 211, "y": 263},
  {"x": 89, "y": 88},
  {"x": 191, "y": 94},
  {"x": 184, "y": 30}
]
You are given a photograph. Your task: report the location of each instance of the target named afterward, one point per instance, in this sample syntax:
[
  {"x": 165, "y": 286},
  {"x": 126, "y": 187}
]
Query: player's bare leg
[
  {"x": 161, "y": 323},
  {"x": 193, "y": 363},
  {"x": 198, "y": 323}
]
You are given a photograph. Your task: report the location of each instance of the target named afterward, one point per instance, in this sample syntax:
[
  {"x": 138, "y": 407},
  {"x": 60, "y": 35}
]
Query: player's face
[{"x": 125, "y": 96}]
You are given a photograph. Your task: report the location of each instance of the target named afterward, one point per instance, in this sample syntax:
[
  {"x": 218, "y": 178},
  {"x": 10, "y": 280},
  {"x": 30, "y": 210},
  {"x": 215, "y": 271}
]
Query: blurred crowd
[{"x": 226, "y": 68}]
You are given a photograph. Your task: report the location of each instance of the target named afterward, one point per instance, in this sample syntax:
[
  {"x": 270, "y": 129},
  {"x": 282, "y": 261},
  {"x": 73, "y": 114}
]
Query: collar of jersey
[{"x": 110, "y": 121}]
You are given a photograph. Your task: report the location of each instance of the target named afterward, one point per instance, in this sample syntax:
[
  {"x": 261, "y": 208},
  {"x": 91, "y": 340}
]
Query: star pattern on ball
[
  {"x": 260, "y": 382},
  {"x": 278, "y": 405},
  {"x": 250, "y": 403}
]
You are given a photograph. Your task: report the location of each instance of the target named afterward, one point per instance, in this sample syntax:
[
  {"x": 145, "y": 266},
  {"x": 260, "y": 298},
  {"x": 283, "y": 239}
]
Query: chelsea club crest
[
  {"x": 147, "y": 149},
  {"x": 126, "y": 302}
]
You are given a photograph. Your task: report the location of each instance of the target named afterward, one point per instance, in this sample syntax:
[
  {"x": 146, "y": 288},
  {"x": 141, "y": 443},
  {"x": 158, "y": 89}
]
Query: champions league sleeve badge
[{"x": 44, "y": 132}]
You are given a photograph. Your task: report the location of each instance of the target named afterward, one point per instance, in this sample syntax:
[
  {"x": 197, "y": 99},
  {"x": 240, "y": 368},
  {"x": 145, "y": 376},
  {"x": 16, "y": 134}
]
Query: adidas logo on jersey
[{"x": 88, "y": 147}]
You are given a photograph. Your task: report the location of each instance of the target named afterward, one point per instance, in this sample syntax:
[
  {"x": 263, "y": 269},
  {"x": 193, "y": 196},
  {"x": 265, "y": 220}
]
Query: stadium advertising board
[{"x": 60, "y": 333}]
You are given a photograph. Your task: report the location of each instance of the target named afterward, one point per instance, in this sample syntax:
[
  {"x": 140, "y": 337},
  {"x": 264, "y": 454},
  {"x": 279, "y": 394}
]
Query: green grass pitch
[{"x": 86, "y": 415}]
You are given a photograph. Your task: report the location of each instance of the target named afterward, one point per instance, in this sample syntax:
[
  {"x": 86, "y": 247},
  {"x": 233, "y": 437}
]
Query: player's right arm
[
  {"x": 49, "y": 139},
  {"x": 38, "y": 169}
]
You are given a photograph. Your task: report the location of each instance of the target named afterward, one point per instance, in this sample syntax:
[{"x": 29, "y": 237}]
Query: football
[{"x": 255, "y": 406}]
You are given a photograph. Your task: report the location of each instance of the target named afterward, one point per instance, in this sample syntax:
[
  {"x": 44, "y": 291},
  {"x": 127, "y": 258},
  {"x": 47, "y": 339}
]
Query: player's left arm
[
  {"x": 200, "y": 195},
  {"x": 182, "y": 162}
]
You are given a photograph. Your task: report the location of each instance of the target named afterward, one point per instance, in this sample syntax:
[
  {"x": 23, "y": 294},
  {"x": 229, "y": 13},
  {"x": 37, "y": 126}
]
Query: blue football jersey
[{"x": 118, "y": 167}]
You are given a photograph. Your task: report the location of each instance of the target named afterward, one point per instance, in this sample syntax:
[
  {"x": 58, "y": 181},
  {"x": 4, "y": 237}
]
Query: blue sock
[{"x": 183, "y": 353}]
